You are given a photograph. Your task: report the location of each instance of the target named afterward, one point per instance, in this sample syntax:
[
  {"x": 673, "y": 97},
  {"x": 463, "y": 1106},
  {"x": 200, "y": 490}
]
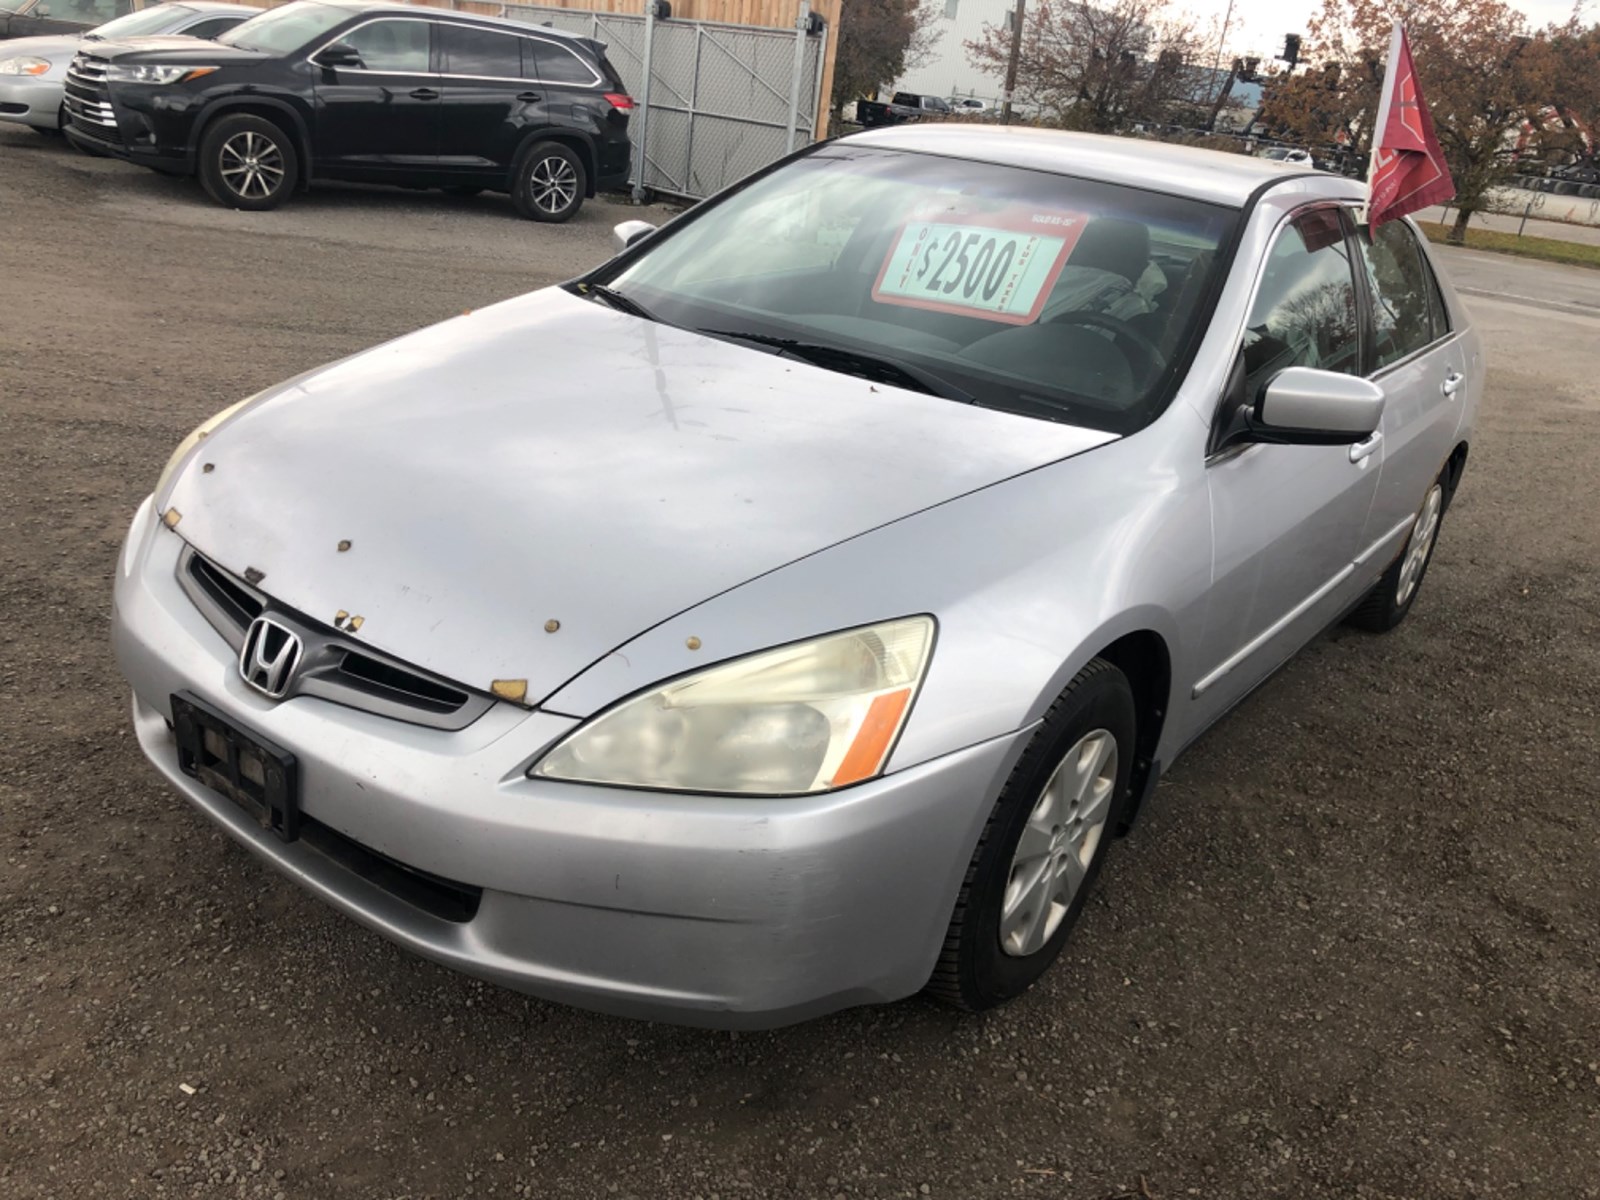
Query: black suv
[{"x": 376, "y": 93}]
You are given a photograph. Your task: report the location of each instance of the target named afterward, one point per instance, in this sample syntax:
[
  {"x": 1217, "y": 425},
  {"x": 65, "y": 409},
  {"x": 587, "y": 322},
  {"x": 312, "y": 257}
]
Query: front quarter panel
[{"x": 1028, "y": 579}]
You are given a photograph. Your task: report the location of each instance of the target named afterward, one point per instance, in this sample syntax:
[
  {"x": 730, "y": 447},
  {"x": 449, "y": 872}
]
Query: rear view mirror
[
  {"x": 1308, "y": 407},
  {"x": 629, "y": 232},
  {"x": 340, "y": 54}
]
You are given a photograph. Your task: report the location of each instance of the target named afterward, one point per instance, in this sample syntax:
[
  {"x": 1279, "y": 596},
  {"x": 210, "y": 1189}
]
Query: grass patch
[{"x": 1578, "y": 254}]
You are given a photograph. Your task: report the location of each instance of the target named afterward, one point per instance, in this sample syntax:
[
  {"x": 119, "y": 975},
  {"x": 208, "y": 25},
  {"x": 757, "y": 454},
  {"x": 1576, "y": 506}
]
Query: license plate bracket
[{"x": 259, "y": 777}]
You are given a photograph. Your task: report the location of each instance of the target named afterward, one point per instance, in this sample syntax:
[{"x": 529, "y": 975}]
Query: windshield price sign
[{"x": 1001, "y": 271}]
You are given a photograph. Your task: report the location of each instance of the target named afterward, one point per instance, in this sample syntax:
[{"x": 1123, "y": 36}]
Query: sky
[{"x": 1258, "y": 26}]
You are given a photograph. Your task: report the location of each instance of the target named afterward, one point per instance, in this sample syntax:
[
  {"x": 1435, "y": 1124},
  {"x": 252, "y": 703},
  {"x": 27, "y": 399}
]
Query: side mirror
[
  {"x": 339, "y": 54},
  {"x": 629, "y": 232},
  {"x": 1304, "y": 406}
]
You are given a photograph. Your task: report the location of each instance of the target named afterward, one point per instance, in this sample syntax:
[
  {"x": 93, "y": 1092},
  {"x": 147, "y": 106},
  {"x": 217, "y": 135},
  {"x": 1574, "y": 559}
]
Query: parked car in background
[
  {"x": 906, "y": 106},
  {"x": 969, "y": 106},
  {"x": 33, "y": 71},
  {"x": 33, "y": 18},
  {"x": 786, "y": 614},
  {"x": 1287, "y": 154},
  {"x": 376, "y": 93}
]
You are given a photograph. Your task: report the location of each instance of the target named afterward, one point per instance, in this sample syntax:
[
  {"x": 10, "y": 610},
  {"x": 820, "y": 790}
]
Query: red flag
[{"x": 1408, "y": 170}]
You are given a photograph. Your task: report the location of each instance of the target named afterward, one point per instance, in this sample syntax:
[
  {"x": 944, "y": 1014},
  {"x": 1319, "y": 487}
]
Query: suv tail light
[{"x": 621, "y": 101}]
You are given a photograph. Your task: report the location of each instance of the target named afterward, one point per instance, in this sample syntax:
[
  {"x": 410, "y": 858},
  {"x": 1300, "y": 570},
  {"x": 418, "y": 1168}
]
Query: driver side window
[
  {"x": 399, "y": 47},
  {"x": 1305, "y": 309}
]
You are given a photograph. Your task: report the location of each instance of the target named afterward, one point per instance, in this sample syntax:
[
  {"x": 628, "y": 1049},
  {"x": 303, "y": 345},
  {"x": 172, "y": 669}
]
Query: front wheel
[
  {"x": 548, "y": 183},
  {"x": 1042, "y": 846},
  {"x": 248, "y": 162},
  {"x": 1387, "y": 604}
]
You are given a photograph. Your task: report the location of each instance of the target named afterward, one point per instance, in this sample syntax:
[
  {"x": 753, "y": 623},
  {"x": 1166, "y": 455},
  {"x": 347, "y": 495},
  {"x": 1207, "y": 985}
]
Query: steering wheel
[{"x": 1153, "y": 359}]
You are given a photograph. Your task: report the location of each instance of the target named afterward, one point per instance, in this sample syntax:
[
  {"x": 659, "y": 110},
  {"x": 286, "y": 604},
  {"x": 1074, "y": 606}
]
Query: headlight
[
  {"x": 24, "y": 66},
  {"x": 201, "y": 432},
  {"x": 155, "y": 72},
  {"x": 805, "y": 718}
]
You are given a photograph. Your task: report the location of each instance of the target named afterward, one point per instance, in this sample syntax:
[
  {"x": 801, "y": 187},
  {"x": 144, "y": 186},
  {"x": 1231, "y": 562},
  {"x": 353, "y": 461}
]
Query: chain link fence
[{"x": 716, "y": 101}]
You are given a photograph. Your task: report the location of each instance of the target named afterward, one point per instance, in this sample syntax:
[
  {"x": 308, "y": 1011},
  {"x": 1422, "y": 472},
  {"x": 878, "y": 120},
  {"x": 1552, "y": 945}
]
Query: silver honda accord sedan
[{"x": 787, "y": 614}]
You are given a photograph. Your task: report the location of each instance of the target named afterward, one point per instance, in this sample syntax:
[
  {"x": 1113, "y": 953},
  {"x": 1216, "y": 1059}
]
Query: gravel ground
[{"x": 1351, "y": 951}]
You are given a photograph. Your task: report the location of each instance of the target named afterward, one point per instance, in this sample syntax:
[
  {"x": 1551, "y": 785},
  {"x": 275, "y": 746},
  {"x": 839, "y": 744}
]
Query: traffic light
[{"x": 1291, "y": 48}]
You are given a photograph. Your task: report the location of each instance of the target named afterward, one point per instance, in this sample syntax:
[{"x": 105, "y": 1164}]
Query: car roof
[
  {"x": 214, "y": 6},
  {"x": 414, "y": 10},
  {"x": 1209, "y": 175}
]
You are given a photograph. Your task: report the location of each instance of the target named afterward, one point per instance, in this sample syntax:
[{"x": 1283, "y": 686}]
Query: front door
[
  {"x": 381, "y": 117},
  {"x": 1287, "y": 521},
  {"x": 1418, "y": 362}
]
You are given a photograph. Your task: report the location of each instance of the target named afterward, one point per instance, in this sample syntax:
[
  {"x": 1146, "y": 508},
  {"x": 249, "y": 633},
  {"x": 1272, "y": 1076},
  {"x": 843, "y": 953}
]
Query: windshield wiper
[
  {"x": 615, "y": 299},
  {"x": 856, "y": 362}
]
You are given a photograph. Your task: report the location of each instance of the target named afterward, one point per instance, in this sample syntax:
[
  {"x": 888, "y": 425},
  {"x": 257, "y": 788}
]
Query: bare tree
[{"x": 1090, "y": 66}]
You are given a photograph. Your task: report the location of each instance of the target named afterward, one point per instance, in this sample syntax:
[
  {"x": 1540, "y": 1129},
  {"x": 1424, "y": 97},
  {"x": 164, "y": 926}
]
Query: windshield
[
  {"x": 280, "y": 30},
  {"x": 147, "y": 20},
  {"x": 12, "y": 6},
  {"x": 1060, "y": 298}
]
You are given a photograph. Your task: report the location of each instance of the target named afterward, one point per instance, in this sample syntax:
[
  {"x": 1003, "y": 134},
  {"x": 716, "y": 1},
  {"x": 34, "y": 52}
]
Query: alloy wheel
[
  {"x": 553, "y": 184},
  {"x": 1058, "y": 844},
  {"x": 1423, "y": 532},
  {"x": 251, "y": 165}
]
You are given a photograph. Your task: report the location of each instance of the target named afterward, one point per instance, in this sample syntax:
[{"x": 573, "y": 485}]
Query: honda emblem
[{"x": 270, "y": 657}]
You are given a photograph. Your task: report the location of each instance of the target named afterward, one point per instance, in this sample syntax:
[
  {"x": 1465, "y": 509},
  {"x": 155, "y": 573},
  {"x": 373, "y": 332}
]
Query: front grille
[
  {"x": 88, "y": 99},
  {"x": 334, "y": 667}
]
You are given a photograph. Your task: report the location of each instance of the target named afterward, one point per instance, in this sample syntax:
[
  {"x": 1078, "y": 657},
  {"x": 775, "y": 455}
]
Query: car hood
[
  {"x": 51, "y": 46},
  {"x": 171, "y": 47},
  {"x": 512, "y": 494}
]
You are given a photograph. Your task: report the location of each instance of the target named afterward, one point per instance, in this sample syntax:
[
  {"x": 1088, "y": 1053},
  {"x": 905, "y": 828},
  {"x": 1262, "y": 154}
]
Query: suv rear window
[{"x": 552, "y": 63}]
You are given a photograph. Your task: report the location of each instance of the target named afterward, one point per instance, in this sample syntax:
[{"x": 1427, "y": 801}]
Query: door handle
[
  {"x": 1451, "y": 382},
  {"x": 423, "y": 94},
  {"x": 1363, "y": 450},
  {"x": 529, "y": 97}
]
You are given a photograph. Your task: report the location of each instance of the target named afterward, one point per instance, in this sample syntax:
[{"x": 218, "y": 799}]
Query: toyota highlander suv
[{"x": 372, "y": 93}]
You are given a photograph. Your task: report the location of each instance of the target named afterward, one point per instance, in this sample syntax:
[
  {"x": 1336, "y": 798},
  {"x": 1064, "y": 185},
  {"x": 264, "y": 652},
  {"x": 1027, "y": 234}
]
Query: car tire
[
  {"x": 1391, "y": 598},
  {"x": 548, "y": 183},
  {"x": 1042, "y": 845},
  {"x": 463, "y": 190},
  {"x": 247, "y": 162}
]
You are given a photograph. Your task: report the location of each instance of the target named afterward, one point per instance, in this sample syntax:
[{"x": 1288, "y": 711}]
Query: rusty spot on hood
[
  {"x": 344, "y": 544},
  {"x": 515, "y": 690},
  {"x": 552, "y": 625},
  {"x": 251, "y": 575},
  {"x": 207, "y": 468},
  {"x": 171, "y": 517},
  {"x": 692, "y": 642}
]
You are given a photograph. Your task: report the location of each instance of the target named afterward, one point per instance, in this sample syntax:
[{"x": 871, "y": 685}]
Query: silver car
[
  {"x": 33, "y": 71},
  {"x": 785, "y": 615}
]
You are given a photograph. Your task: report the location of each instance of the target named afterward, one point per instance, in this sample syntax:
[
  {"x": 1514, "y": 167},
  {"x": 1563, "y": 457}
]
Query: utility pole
[{"x": 1016, "y": 56}]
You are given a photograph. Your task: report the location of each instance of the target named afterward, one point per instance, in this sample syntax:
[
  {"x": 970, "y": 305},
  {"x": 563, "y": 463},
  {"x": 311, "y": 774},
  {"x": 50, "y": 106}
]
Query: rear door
[
  {"x": 1287, "y": 521},
  {"x": 381, "y": 118},
  {"x": 492, "y": 97},
  {"x": 1418, "y": 361}
]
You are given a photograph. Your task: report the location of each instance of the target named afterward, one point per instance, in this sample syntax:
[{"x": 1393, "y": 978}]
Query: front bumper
[
  {"x": 31, "y": 100},
  {"x": 698, "y": 910}
]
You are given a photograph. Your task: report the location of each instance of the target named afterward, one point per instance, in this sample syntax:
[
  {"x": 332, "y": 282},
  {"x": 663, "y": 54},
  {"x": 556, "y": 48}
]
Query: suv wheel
[
  {"x": 248, "y": 162},
  {"x": 548, "y": 183},
  {"x": 1042, "y": 846},
  {"x": 1387, "y": 604}
]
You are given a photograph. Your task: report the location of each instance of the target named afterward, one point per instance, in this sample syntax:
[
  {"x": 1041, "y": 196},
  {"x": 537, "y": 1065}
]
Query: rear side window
[
  {"x": 1305, "y": 309},
  {"x": 481, "y": 52},
  {"x": 1402, "y": 322},
  {"x": 210, "y": 29},
  {"x": 550, "y": 63},
  {"x": 392, "y": 46}
]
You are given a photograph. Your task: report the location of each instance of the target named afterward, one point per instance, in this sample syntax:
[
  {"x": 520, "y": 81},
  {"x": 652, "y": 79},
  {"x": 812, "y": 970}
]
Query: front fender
[{"x": 1029, "y": 579}]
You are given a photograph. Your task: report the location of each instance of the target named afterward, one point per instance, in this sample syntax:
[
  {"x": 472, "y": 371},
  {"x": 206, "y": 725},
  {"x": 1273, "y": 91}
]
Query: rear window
[
  {"x": 551, "y": 62},
  {"x": 1061, "y": 298}
]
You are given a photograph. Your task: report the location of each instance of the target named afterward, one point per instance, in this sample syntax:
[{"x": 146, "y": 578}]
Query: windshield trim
[{"x": 1162, "y": 390}]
